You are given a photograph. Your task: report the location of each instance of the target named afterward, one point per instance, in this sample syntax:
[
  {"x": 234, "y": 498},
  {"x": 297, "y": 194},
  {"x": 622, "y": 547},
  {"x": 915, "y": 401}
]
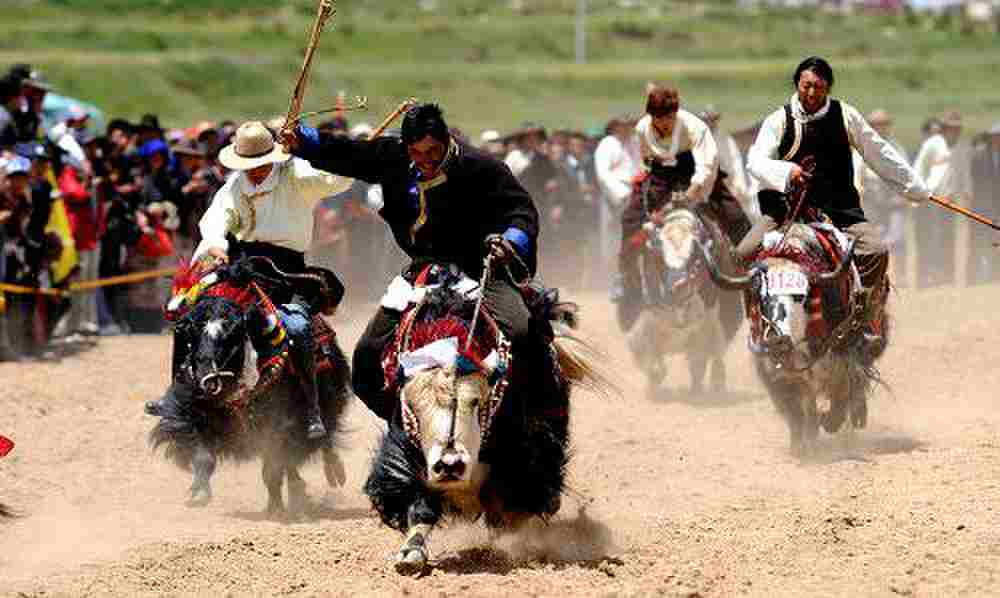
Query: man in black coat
[{"x": 444, "y": 201}]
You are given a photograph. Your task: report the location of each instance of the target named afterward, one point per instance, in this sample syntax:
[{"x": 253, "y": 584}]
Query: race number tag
[{"x": 787, "y": 282}]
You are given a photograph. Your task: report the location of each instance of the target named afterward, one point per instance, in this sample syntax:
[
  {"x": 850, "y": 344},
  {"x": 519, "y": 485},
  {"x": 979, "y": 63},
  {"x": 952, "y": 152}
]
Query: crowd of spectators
[{"x": 78, "y": 204}]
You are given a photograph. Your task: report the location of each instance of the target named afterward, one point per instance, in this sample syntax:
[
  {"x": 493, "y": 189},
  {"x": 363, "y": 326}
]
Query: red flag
[{"x": 6, "y": 446}]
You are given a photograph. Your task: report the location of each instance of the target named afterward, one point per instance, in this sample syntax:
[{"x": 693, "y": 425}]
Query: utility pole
[{"x": 581, "y": 31}]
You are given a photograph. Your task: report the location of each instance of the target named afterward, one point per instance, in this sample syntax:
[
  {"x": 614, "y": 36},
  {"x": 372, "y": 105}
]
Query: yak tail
[{"x": 580, "y": 362}]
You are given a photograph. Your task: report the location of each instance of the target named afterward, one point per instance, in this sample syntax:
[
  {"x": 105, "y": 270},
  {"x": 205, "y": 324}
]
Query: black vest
[
  {"x": 664, "y": 180},
  {"x": 831, "y": 188}
]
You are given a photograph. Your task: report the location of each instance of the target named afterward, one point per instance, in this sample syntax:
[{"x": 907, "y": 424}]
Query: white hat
[
  {"x": 489, "y": 136},
  {"x": 361, "y": 130},
  {"x": 253, "y": 146}
]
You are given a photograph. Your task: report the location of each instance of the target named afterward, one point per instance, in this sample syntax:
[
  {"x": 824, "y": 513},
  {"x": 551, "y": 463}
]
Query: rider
[
  {"x": 267, "y": 204},
  {"x": 445, "y": 201},
  {"x": 678, "y": 154},
  {"x": 812, "y": 129}
]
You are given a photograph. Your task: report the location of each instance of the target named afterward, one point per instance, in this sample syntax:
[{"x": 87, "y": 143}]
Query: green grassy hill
[{"x": 491, "y": 65}]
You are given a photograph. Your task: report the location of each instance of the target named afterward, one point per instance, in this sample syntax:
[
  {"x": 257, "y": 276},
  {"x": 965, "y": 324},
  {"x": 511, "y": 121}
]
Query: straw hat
[
  {"x": 253, "y": 146},
  {"x": 489, "y": 136}
]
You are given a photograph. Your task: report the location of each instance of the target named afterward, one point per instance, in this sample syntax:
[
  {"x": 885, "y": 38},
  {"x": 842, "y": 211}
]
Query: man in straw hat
[
  {"x": 812, "y": 127},
  {"x": 267, "y": 205},
  {"x": 447, "y": 202}
]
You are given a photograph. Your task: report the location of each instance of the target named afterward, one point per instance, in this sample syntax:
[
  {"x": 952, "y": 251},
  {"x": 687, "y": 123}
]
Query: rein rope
[{"x": 799, "y": 196}]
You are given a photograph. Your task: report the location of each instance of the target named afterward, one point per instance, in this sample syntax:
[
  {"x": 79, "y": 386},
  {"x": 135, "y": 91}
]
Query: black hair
[
  {"x": 423, "y": 120},
  {"x": 20, "y": 72},
  {"x": 10, "y": 87},
  {"x": 817, "y": 65},
  {"x": 119, "y": 124}
]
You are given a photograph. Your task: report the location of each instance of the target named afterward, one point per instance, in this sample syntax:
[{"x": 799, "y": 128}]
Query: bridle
[{"x": 497, "y": 383}]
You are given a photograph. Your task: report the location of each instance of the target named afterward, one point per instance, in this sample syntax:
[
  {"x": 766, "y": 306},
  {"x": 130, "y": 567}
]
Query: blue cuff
[
  {"x": 519, "y": 239},
  {"x": 308, "y": 140}
]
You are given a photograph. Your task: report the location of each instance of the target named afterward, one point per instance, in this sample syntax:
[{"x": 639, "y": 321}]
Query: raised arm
[
  {"x": 365, "y": 160},
  {"x": 882, "y": 157},
  {"x": 316, "y": 185}
]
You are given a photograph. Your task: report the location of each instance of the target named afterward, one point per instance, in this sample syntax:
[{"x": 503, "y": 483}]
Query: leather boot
[
  {"x": 628, "y": 291},
  {"x": 7, "y": 351},
  {"x": 305, "y": 368},
  {"x": 873, "y": 269}
]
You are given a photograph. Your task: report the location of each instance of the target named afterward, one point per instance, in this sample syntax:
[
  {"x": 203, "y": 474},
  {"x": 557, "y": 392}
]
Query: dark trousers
[
  {"x": 504, "y": 303},
  {"x": 630, "y": 303}
]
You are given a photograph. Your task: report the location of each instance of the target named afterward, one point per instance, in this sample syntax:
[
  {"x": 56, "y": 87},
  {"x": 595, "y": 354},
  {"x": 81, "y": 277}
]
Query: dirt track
[{"x": 694, "y": 496}]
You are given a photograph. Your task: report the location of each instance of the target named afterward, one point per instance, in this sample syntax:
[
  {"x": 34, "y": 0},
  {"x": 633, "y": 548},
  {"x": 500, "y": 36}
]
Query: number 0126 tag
[{"x": 787, "y": 282}]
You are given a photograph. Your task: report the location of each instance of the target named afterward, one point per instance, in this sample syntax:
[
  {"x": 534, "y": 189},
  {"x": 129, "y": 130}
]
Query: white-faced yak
[
  {"x": 806, "y": 318},
  {"x": 460, "y": 443}
]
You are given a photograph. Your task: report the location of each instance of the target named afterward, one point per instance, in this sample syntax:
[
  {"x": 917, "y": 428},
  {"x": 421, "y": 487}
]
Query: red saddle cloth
[
  {"x": 416, "y": 331},
  {"x": 6, "y": 446},
  {"x": 420, "y": 327}
]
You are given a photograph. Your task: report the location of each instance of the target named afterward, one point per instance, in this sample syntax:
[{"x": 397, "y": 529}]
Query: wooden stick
[
  {"x": 360, "y": 103},
  {"x": 950, "y": 205},
  {"x": 393, "y": 116},
  {"x": 324, "y": 12}
]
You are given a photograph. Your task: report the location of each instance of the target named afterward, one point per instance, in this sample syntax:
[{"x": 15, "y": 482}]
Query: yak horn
[
  {"x": 828, "y": 278},
  {"x": 725, "y": 281}
]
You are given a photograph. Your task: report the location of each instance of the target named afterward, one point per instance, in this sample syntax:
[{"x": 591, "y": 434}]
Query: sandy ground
[{"x": 694, "y": 496}]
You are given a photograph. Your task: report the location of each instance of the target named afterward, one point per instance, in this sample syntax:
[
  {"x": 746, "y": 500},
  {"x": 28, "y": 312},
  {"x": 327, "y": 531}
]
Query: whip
[
  {"x": 403, "y": 107},
  {"x": 487, "y": 270},
  {"x": 323, "y": 14}
]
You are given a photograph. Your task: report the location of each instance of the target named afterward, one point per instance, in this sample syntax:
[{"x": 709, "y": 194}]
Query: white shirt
[
  {"x": 771, "y": 172},
  {"x": 518, "y": 161},
  {"x": 278, "y": 211},
  {"x": 945, "y": 168},
  {"x": 690, "y": 134},
  {"x": 933, "y": 161},
  {"x": 616, "y": 164}
]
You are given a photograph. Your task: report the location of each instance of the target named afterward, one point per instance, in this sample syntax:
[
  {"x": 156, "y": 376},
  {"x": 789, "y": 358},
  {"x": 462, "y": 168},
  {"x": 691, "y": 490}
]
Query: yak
[{"x": 460, "y": 444}]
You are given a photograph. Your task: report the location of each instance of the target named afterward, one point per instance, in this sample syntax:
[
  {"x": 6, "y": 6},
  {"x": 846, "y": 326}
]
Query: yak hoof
[
  {"x": 275, "y": 508},
  {"x": 297, "y": 498},
  {"x": 333, "y": 469},
  {"x": 200, "y": 497},
  {"x": 411, "y": 561}
]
